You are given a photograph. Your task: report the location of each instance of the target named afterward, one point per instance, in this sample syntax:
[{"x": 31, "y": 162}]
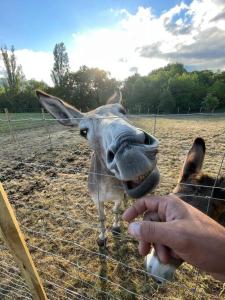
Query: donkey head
[
  {"x": 124, "y": 151},
  {"x": 190, "y": 180},
  {"x": 196, "y": 188}
]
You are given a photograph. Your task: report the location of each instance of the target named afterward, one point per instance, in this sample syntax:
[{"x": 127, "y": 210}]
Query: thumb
[{"x": 151, "y": 232}]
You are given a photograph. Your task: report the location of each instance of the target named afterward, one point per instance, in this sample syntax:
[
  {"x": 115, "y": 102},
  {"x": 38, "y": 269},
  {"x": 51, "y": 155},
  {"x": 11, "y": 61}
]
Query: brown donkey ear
[
  {"x": 59, "y": 109},
  {"x": 194, "y": 160}
]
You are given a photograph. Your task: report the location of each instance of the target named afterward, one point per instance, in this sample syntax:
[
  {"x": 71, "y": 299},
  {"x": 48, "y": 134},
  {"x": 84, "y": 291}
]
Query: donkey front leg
[
  {"x": 102, "y": 236},
  {"x": 116, "y": 211}
]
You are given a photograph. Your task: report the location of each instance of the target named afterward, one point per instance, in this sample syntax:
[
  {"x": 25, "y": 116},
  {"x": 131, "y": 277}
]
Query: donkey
[
  {"x": 199, "y": 190},
  {"x": 124, "y": 157}
]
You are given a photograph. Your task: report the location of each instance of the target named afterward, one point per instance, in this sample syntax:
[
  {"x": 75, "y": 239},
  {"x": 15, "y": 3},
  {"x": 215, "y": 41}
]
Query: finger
[
  {"x": 163, "y": 253},
  {"x": 151, "y": 216},
  {"x": 153, "y": 232},
  {"x": 140, "y": 206},
  {"x": 144, "y": 248}
]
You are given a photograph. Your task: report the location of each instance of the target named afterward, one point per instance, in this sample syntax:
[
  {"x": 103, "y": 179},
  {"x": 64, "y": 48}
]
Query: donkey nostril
[
  {"x": 110, "y": 156},
  {"x": 149, "y": 140}
]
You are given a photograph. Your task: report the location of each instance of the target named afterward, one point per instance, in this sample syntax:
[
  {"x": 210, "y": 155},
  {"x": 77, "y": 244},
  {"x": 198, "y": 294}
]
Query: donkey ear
[
  {"x": 115, "y": 98},
  {"x": 60, "y": 110},
  {"x": 194, "y": 160}
]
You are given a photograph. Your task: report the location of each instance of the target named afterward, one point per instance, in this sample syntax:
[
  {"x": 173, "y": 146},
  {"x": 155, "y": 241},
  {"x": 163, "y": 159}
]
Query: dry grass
[{"x": 48, "y": 190}]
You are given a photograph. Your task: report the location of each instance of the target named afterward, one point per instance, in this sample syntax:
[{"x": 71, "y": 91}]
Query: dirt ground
[{"x": 47, "y": 186}]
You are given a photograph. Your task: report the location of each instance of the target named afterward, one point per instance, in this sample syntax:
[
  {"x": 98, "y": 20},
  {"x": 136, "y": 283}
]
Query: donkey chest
[{"x": 105, "y": 189}]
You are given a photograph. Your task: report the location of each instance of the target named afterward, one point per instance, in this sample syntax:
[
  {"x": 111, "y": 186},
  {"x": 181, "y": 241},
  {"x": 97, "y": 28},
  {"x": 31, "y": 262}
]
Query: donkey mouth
[{"x": 143, "y": 184}]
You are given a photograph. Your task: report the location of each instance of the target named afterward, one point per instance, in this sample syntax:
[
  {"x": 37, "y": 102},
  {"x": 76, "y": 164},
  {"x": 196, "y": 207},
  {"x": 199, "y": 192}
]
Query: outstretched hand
[{"x": 178, "y": 230}]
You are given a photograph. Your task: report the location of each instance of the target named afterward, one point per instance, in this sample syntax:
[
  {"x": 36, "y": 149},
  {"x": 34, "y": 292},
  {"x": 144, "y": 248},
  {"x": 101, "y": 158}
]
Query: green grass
[{"x": 21, "y": 121}]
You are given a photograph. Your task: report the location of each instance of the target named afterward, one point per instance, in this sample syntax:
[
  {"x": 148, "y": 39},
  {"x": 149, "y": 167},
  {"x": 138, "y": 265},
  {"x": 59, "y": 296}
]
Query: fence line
[
  {"x": 88, "y": 250},
  {"x": 61, "y": 169},
  {"x": 85, "y": 270},
  {"x": 116, "y": 117},
  {"x": 65, "y": 214},
  {"x": 92, "y": 252}
]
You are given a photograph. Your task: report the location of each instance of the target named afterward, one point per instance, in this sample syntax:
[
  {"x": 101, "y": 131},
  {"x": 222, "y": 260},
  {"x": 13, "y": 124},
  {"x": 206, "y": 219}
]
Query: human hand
[{"x": 183, "y": 232}]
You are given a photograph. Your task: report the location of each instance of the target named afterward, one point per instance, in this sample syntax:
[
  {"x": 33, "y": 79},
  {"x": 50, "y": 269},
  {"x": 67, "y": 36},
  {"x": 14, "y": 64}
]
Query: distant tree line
[{"x": 171, "y": 89}]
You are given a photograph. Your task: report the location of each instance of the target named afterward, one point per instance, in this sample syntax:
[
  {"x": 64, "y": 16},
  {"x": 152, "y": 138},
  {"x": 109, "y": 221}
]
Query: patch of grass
[{"x": 21, "y": 121}]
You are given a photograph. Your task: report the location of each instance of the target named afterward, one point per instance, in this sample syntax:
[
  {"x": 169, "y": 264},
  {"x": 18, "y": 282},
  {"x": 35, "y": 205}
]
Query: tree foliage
[
  {"x": 14, "y": 77},
  {"x": 61, "y": 65},
  {"x": 87, "y": 88},
  {"x": 210, "y": 102},
  {"x": 170, "y": 89}
]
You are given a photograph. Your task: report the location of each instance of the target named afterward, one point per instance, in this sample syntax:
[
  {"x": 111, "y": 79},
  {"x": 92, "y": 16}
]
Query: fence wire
[{"x": 60, "y": 222}]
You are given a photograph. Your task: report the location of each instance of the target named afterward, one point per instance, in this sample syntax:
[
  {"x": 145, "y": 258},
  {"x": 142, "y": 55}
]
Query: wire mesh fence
[{"x": 44, "y": 168}]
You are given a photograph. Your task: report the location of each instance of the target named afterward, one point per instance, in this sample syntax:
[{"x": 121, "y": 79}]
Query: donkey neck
[
  {"x": 103, "y": 185},
  {"x": 99, "y": 166}
]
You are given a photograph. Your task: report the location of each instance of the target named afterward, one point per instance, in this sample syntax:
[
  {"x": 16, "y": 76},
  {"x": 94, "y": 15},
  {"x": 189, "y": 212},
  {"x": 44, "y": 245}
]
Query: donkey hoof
[
  {"x": 101, "y": 243},
  {"x": 116, "y": 230}
]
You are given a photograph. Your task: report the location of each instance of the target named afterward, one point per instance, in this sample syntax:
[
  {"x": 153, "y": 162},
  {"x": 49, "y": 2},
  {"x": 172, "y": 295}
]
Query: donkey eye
[{"x": 84, "y": 132}]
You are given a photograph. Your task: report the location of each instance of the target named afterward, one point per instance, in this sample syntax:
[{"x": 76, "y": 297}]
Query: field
[{"x": 45, "y": 177}]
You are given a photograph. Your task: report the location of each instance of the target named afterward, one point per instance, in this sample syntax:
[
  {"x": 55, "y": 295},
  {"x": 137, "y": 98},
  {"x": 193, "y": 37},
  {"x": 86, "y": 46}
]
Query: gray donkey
[{"x": 123, "y": 159}]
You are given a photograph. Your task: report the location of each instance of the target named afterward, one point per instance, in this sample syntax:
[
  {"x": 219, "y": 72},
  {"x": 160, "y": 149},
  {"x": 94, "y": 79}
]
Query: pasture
[{"x": 48, "y": 189}]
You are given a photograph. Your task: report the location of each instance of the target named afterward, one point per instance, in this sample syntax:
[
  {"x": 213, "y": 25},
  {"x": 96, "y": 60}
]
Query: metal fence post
[
  {"x": 154, "y": 126},
  {"x": 10, "y": 126},
  {"x": 46, "y": 127},
  {"x": 155, "y": 117}
]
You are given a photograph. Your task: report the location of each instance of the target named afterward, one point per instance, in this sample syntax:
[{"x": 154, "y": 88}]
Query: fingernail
[{"x": 134, "y": 229}]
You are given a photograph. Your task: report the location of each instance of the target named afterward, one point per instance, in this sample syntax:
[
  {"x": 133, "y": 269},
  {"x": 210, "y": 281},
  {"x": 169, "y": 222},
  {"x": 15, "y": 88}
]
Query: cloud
[
  {"x": 114, "y": 49},
  {"x": 36, "y": 64},
  {"x": 1, "y": 71},
  {"x": 193, "y": 34},
  {"x": 208, "y": 52},
  {"x": 134, "y": 69},
  {"x": 220, "y": 16},
  {"x": 199, "y": 34}
]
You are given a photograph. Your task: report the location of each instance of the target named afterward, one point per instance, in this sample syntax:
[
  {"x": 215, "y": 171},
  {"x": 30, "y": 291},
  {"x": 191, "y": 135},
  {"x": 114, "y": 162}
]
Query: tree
[
  {"x": 31, "y": 85},
  {"x": 171, "y": 70},
  {"x": 87, "y": 88},
  {"x": 217, "y": 89},
  {"x": 210, "y": 103},
  {"x": 14, "y": 78},
  {"x": 61, "y": 65},
  {"x": 2, "y": 90},
  {"x": 167, "y": 103},
  {"x": 186, "y": 91}
]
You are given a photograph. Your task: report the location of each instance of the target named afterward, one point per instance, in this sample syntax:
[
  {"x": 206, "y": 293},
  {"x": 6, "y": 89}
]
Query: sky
[{"x": 119, "y": 36}]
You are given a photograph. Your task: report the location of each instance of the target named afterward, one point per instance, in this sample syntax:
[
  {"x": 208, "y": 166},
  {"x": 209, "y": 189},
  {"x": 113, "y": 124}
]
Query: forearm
[
  {"x": 212, "y": 255},
  {"x": 218, "y": 252},
  {"x": 218, "y": 277}
]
